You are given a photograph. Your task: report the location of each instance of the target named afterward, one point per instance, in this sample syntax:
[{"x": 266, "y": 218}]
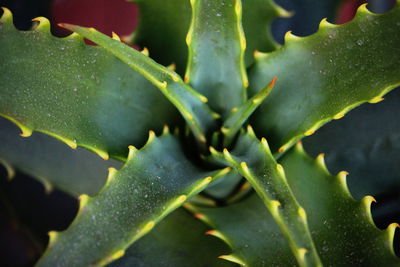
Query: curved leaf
[
  {"x": 190, "y": 103},
  {"x": 323, "y": 76},
  {"x": 77, "y": 93},
  {"x": 178, "y": 240},
  {"x": 341, "y": 227},
  {"x": 154, "y": 181},
  {"x": 366, "y": 144},
  {"x": 253, "y": 160},
  {"x": 216, "y": 53},
  {"x": 163, "y": 26},
  {"x": 52, "y": 162}
]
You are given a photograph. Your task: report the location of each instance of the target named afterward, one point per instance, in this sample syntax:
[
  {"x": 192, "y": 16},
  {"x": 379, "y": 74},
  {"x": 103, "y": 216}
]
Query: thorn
[
  {"x": 324, "y": 23},
  {"x": 210, "y": 232},
  {"x": 290, "y": 36},
  {"x": 338, "y": 116},
  {"x": 376, "y": 100},
  {"x": 115, "y": 36},
  {"x": 165, "y": 129},
  {"x": 25, "y": 132},
  {"x": 280, "y": 170},
  {"x": 172, "y": 67},
  {"x": 203, "y": 99},
  {"x": 213, "y": 150},
  {"x": 250, "y": 131},
  {"x": 145, "y": 51},
  {"x": 275, "y": 204},
  {"x": 83, "y": 200},
  {"x": 232, "y": 258},
  {"x": 7, "y": 15},
  {"x": 302, "y": 253},
  {"x": 152, "y": 136},
  {"x": 264, "y": 143},
  {"x": 363, "y": 8},
  {"x": 302, "y": 214},
  {"x": 309, "y": 132},
  {"x": 224, "y": 130}
]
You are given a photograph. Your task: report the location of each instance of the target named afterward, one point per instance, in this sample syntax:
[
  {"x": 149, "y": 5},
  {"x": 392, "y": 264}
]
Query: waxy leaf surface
[
  {"x": 341, "y": 227},
  {"x": 79, "y": 94},
  {"x": 154, "y": 181},
  {"x": 323, "y": 76},
  {"x": 178, "y": 240},
  {"x": 52, "y": 162}
]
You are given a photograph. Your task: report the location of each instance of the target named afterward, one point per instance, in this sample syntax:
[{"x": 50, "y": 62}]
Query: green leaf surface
[
  {"x": 154, "y": 181},
  {"x": 241, "y": 114},
  {"x": 341, "y": 227},
  {"x": 216, "y": 53},
  {"x": 178, "y": 240},
  {"x": 190, "y": 103},
  {"x": 254, "y": 161},
  {"x": 163, "y": 26},
  {"x": 250, "y": 231},
  {"x": 366, "y": 143},
  {"x": 79, "y": 94},
  {"x": 52, "y": 162},
  {"x": 224, "y": 186},
  {"x": 323, "y": 76}
]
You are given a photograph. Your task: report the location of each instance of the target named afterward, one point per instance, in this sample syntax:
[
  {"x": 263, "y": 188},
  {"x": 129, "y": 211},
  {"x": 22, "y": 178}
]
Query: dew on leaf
[{"x": 360, "y": 42}]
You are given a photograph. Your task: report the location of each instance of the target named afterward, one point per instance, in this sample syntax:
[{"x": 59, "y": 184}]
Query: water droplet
[
  {"x": 219, "y": 15},
  {"x": 325, "y": 249},
  {"x": 313, "y": 52},
  {"x": 360, "y": 42},
  {"x": 75, "y": 89}
]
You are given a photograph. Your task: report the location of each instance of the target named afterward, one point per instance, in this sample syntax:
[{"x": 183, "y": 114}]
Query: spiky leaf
[
  {"x": 178, "y": 240},
  {"x": 154, "y": 181},
  {"x": 52, "y": 162},
  {"x": 341, "y": 227},
  {"x": 190, "y": 103},
  {"x": 323, "y": 76},
  {"x": 163, "y": 27},
  {"x": 79, "y": 94}
]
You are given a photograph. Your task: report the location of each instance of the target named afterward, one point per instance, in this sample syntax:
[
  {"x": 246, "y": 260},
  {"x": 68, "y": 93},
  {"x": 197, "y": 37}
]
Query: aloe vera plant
[{"x": 223, "y": 126}]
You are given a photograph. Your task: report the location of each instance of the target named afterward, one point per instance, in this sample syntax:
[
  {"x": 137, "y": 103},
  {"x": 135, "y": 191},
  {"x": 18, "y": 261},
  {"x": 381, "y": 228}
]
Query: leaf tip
[{"x": 233, "y": 259}]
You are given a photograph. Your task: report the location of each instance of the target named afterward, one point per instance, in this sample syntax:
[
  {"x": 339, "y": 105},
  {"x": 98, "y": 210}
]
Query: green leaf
[
  {"x": 154, "y": 181},
  {"x": 216, "y": 53},
  {"x": 250, "y": 231},
  {"x": 225, "y": 186},
  {"x": 163, "y": 27},
  {"x": 323, "y": 76},
  {"x": 190, "y": 103},
  {"x": 341, "y": 227},
  {"x": 258, "y": 16},
  {"x": 52, "y": 162},
  {"x": 178, "y": 240},
  {"x": 240, "y": 114},
  {"x": 366, "y": 144},
  {"x": 254, "y": 161},
  {"x": 77, "y": 93}
]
